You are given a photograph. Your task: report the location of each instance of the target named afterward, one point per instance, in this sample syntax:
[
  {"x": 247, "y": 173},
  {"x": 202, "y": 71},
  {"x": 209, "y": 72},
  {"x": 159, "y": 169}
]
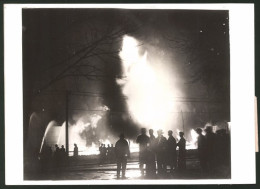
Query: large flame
[
  {"x": 55, "y": 134},
  {"x": 150, "y": 95}
]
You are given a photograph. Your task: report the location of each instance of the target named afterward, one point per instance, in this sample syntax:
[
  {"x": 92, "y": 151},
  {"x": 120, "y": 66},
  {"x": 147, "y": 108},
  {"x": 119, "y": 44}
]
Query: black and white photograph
[{"x": 123, "y": 94}]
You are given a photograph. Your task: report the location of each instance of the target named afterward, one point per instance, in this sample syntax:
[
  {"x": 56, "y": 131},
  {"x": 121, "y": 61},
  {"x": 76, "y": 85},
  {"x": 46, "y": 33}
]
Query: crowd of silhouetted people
[
  {"x": 214, "y": 151},
  {"x": 156, "y": 153},
  {"x": 159, "y": 153},
  {"x": 56, "y": 158},
  {"x": 107, "y": 153}
]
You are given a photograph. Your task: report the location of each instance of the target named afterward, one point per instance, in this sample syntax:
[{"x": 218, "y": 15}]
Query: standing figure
[
  {"x": 210, "y": 148},
  {"x": 57, "y": 156},
  {"x": 201, "y": 149},
  {"x": 182, "y": 152},
  {"x": 75, "y": 151},
  {"x": 102, "y": 150},
  {"x": 100, "y": 153},
  {"x": 161, "y": 147},
  {"x": 63, "y": 151},
  {"x": 143, "y": 141},
  {"x": 223, "y": 153},
  {"x": 106, "y": 151},
  {"x": 171, "y": 151},
  {"x": 122, "y": 153},
  {"x": 150, "y": 164},
  {"x": 113, "y": 153},
  {"x": 63, "y": 155},
  {"x": 152, "y": 140}
]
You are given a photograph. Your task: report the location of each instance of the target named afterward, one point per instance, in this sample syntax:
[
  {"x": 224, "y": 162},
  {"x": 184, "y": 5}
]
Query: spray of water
[{"x": 52, "y": 123}]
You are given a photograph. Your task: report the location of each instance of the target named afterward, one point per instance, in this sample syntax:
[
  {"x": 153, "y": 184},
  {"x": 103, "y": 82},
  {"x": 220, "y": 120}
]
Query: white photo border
[{"x": 242, "y": 92}]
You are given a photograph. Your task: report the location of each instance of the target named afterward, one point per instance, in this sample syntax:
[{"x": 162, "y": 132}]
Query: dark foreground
[{"x": 89, "y": 168}]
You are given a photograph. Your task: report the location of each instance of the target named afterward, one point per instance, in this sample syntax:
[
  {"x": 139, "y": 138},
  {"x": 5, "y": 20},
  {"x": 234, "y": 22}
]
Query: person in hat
[
  {"x": 122, "y": 153},
  {"x": 143, "y": 141},
  {"x": 161, "y": 147},
  {"x": 182, "y": 152}
]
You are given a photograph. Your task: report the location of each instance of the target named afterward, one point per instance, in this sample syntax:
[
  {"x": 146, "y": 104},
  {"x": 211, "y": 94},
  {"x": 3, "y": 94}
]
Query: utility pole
[
  {"x": 67, "y": 124},
  {"x": 182, "y": 121}
]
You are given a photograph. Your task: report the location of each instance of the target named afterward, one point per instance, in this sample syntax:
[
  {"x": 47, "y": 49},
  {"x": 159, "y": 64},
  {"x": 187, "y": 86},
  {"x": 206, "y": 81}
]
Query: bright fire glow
[
  {"x": 56, "y": 135},
  {"x": 194, "y": 137},
  {"x": 134, "y": 147},
  {"x": 94, "y": 119},
  {"x": 148, "y": 89}
]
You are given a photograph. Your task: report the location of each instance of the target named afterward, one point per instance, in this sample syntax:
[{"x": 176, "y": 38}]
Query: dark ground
[{"x": 89, "y": 168}]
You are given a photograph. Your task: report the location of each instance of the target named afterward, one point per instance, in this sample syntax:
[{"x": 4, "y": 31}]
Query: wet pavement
[
  {"x": 89, "y": 168},
  {"x": 94, "y": 171}
]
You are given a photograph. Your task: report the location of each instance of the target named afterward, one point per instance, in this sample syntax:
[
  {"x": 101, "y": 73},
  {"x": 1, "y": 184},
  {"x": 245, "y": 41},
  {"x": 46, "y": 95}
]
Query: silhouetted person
[
  {"x": 171, "y": 151},
  {"x": 152, "y": 139},
  {"x": 210, "y": 148},
  {"x": 75, "y": 151},
  {"x": 182, "y": 152},
  {"x": 102, "y": 150},
  {"x": 222, "y": 146},
  {"x": 45, "y": 157},
  {"x": 122, "y": 153},
  {"x": 108, "y": 151},
  {"x": 57, "y": 155},
  {"x": 201, "y": 149},
  {"x": 113, "y": 154},
  {"x": 100, "y": 153},
  {"x": 223, "y": 153},
  {"x": 143, "y": 141},
  {"x": 63, "y": 151},
  {"x": 62, "y": 155},
  {"x": 161, "y": 147},
  {"x": 151, "y": 165}
]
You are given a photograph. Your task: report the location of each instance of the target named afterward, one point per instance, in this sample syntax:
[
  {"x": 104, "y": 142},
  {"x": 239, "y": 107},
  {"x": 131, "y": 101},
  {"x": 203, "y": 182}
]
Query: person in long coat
[
  {"x": 201, "y": 141},
  {"x": 182, "y": 152},
  {"x": 171, "y": 151},
  {"x": 151, "y": 165},
  {"x": 122, "y": 153},
  {"x": 143, "y": 140},
  {"x": 161, "y": 151}
]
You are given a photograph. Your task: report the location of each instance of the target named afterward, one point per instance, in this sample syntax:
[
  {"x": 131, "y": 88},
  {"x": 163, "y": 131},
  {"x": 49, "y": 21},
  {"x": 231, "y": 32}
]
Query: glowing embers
[{"x": 149, "y": 92}]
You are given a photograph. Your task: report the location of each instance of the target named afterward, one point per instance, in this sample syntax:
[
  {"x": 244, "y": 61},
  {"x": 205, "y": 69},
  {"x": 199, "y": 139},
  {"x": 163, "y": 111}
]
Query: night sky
[{"x": 78, "y": 50}]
